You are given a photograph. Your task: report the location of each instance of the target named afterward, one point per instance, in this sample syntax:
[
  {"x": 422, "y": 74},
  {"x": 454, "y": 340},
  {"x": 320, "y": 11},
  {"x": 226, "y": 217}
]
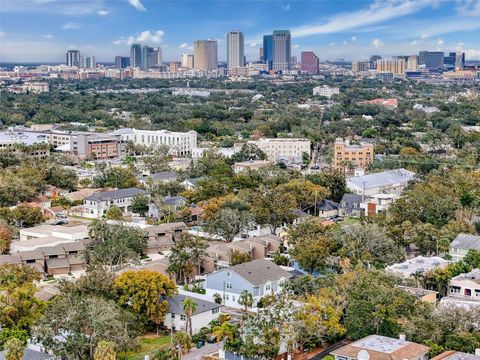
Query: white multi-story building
[
  {"x": 97, "y": 205},
  {"x": 281, "y": 150},
  {"x": 179, "y": 143},
  {"x": 326, "y": 91}
]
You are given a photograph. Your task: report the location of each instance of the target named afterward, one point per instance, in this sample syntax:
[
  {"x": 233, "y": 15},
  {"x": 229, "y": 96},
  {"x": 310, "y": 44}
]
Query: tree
[
  {"x": 105, "y": 351},
  {"x": 114, "y": 213},
  {"x": 5, "y": 240},
  {"x": 249, "y": 152},
  {"x": 183, "y": 342},
  {"x": 306, "y": 193},
  {"x": 27, "y": 216},
  {"x": 116, "y": 177},
  {"x": 144, "y": 293},
  {"x": 246, "y": 300},
  {"x": 332, "y": 180},
  {"x": 224, "y": 331},
  {"x": 189, "y": 307},
  {"x": 228, "y": 223},
  {"x": 140, "y": 204},
  {"x": 185, "y": 257},
  {"x": 74, "y": 326},
  {"x": 14, "y": 349},
  {"x": 237, "y": 257},
  {"x": 217, "y": 298},
  {"x": 96, "y": 282},
  {"x": 8, "y": 333},
  {"x": 62, "y": 177}
]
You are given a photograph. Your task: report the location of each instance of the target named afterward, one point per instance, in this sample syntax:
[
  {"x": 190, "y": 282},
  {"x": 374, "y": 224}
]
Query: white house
[
  {"x": 385, "y": 182},
  {"x": 96, "y": 205},
  {"x": 326, "y": 91},
  {"x": 175, "y": 318},
  {"x": 420, "y": 264},
  {"x": 466, "y": 286}
]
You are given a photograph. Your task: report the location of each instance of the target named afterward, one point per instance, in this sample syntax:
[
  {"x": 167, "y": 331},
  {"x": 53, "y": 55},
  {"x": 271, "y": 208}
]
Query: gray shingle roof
[
  {"x": 116, "y": 194},
  {"x": 57, "y": 263},
  {"x": 259, "y": 272},
  {"x": 457, "y": 355},
  {"x": 176, "y": 307},
  {"x": 382, "y": 179},
  {"x": 31, "y": 355},
  {"x": 174, "y": 200},
  {"x": 466, "y": 241},
  {"x": 327, "y": 205},
  {"x": 349, "y": 199}
]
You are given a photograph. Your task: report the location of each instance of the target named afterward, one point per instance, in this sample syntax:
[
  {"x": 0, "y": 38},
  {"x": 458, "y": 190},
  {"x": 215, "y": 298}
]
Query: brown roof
[
  {"x": 10, "y": 259},
  {"x": 57, "y": 263},
  {"x": 455, "y": 355},
  {"x": 165, "y": 228},
  {"x": 31, "y": 255}
]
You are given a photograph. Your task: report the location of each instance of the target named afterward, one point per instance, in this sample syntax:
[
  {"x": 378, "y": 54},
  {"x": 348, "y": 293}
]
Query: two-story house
[
  {"x": 96, "y": 205},
  {"x": 259, "y": 277},
  {"x": 462, "y": 244},
  {"x": 466, "y": 286}
]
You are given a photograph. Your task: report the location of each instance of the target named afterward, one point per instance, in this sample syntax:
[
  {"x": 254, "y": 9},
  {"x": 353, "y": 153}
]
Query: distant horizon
[{"x": 353, "y": 30}]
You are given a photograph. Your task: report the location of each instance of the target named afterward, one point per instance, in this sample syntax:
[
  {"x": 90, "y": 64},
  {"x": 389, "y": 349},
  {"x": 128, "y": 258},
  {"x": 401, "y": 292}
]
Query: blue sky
[{"x": 42, "y": 30}]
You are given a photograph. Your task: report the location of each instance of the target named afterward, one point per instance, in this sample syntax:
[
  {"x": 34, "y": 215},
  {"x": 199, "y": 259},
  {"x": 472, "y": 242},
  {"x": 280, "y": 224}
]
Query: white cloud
[
  {"x": 253, "y": 44},
  {"x": 183, "y": 46},
  {"x": 377, "y": 43},
  {"x": 468, "y": 7},
  {"x": 137, "y": 4},
  {"x": 102, "y": 12},
  {"x": 67, "y": 7},
  {"x": 296, "y": 46},
  {"x": 48, "y": 36},
  {"x": 2, "y": 33},
  {"x": 354, "y": 38},
  {"x": 70, "y": 26},
  {"x": 286, "y": 7},
  {"x": 472, "y": 53},
  {"x": 440, "y": 42},
  {"x": 331, "y": 44},
  {"x": 378, "y": 12},
  {"x": 344, "y": 42},
  {"x": 147, "y": 37}
]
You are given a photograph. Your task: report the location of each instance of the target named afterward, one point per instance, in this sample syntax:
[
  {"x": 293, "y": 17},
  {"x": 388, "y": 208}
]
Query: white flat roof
[{"x": 381, "y": 344}]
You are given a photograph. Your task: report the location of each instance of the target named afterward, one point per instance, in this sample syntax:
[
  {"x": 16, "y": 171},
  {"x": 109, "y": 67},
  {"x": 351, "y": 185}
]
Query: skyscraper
[
  {"x": 205, "y": 55},
  {"x": 157, "y": 57},
  {"x": 136, "y": 55},
  {"x": 394, "y": 66},
  {"x": 187, "y": 61},
  {"x": 235, "y": 50},
  {"x": 373, "y": 61},
  {"x": 147, "y": 57},
  {"x": 122, "y": 62},
  {"x": 459, "y": 60},
  {"x": 87, "y": 62},
  {"x": 433, "y": 60},
  {"x": 360, "y": 66},
  {"x": 73, "y": 58},
  {"x": 282, "y": 49},
  {"x": 309, "y": 62},
  {"x": 268, "y": 50}
]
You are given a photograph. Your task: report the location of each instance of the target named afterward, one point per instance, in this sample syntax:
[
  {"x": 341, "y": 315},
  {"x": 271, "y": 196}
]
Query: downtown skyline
[{"x": 42, "y": 30}]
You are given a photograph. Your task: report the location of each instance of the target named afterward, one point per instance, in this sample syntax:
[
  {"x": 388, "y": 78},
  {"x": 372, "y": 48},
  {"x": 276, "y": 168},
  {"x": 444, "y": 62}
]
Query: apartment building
[
  {"x": 179, "y": 143},
  {"x": 385, "y": 182},
  {"x": 347, "y": 157},
  {"x": 289, "y": 151},
  {"x": 395, "y": 66},
  {"x": 326, "y": 91},
  {"x": 250, "y": 165}
]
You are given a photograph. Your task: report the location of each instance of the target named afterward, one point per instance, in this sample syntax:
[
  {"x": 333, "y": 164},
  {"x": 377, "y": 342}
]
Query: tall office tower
[
  {"x": 186, "y": 61},
  {"x": 268, "y": 50},
  {"x": 261, "y": 56},
  {"x": 87, "y": 62},
  {"x": 136, "y": 56},
  {"x": 373, "y": 61},
  {"x": 459, "y": 60},
  {"x": 73, "y": 58},
  {"x": 433, "y": 60},
  {"x": 396, "y": 67},
  {"x": 205, "y": 55},
  {"x": 122, "y": 62},
  {"x": 235, "y": 50},
  {"x": 147, "y": 57},
  {"x": 282, "y": 50},
  {"x": 412, "y": 62},
  {"x": 360, "y": 66},
  {"x": 157, "y": 57},
  {"x": 309, "y": 62}
]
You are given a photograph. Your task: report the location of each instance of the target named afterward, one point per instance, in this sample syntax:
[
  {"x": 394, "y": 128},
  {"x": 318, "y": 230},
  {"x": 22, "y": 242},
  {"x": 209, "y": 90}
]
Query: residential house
[
  {"x": 457, "y": 355},
  {"x": 238, "y": 167},
  {"x": 377, "y": 204},
  {"x": 350, "y": 206},
  {"x": 162, "y": 237},
  {"x": 259, "y": 277},
  {"x": 462, "y": 244},
  {"x": 96, "y": 205},
  {"x": 192, "y": 182},
  {"x": 163, "y": 177},
  {"x": 424, "y": 295},
  {"x": 170, "y": 204},
  {"x": 205, "y": 312},
  {"x": 418, "y": 265},
  {"x": 385, "y": 182},
  {"x": 327, "y": 208},
  {"x": 466, "y": 286},
  {"x": 377, "y": 347}
]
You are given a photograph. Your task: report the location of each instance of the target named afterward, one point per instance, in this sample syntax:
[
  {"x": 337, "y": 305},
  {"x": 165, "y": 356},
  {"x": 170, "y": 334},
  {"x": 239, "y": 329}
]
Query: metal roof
[
  {"x": 382, "y": 179},
  {"x": 466, "y": 241},
  {"x": 116, "y": 194}
]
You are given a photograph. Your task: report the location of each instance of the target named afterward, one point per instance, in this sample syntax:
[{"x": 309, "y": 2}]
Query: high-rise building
[
  {"x": 205, "y": 55},
  {"x": 73, "y": 58},
  {"x": 459, "y": 60},
  {"x": 373, "y": 61},
  {"x": 122, "y": 62},
  {"x": 394, "y": 66},
  {"x": 173, "y": 67},
  {"x": 310, "y": 62},
  {"x": 433, "y": 60},
  {"x": 147, "y": 57},
  {"x": 235, "y": 50},
  {"x": 187, "y": 61},
  {"x": 136, "y": 56},
  {"x": 282, "y": 49},
  {"x": 87, "y": 62},
  {"x": 157, "y": 57},
  {"x": 360, "y": 66},
  {"x": 261, "y": 55},
  {"x": 412, "y": 62},
  {"x": 268, "y": 50}
]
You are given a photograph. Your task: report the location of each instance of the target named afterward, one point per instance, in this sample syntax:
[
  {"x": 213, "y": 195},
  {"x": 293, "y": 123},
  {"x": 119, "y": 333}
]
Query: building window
[
  {"x": 455, "y": 289},
  {"x": 229, "y": 274},
  {"x": 467, "y": 292},
  {"x": 268, "y": 287},
  {"x": 182, "y": 317},
  {"x": 228, "y": 285}
]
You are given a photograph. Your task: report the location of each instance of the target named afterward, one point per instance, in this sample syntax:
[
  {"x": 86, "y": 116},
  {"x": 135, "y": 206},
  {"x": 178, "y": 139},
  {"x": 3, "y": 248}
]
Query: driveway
[{"x": 197, "y": 354}]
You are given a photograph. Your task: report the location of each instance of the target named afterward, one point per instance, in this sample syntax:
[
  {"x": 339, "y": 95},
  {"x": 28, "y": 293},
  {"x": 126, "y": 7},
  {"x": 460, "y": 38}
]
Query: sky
[{"x": 43, "y": 30}]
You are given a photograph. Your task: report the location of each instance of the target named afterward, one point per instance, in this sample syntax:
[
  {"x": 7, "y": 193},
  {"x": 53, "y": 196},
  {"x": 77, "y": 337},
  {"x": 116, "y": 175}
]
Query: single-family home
[
  {"x": 457, "y": 355},
  {"x": 250, "y": 165},
  {"x": 417, "y": 265},
  {"x": 385, "y": 182},
  {"x": 350, "y": 205},
  {"x": 377, "y": 204},
  {"x": 327, "y": 208},
  {"x": 170, "y": 205},
  {"x": 259, "y": 277},
  {"x": 96, "y": 205},
  {"x": 205, "y": 312},
  {"x": 192, "y": 182},
  {"x": 159, "y": 177},
  {"x": 466, "y": 286},
  {"x": 424, "y": 295},
  {"x": 462, "y": 244},
  {"x": 377, "y": 347}
]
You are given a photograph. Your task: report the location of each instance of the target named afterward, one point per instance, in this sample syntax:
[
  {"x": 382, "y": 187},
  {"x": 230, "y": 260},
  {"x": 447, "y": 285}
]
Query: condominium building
[
  {"x": 88, "y": 62},
  {"x": 205, "y": 54},
  {"x": 268, "y": 50},
  {"x": 309, "y": 62},
  {"x": 412, "y": 62},
  {"x": 282, "y": 50},
  {"x": 179, "y": 143},
  {"x": 360, "y": 66},
  {"x": 157, "y": 57},
  {"x": 289, "y": 151},
  {"x": 394, "y": 66},
  {"x": 326, "y": 91},
  {"x": 73, "y": 58},
  {"x": 433, "y": 60},
  {"x": 136, "y": 55},
  {"x": 122, "y": 62},
  {"x": 347, "y": 157},
  {"x": 147, "y": 57},
  {"x": 235, "y": 50},
  {"x": 187, "y": 61}
]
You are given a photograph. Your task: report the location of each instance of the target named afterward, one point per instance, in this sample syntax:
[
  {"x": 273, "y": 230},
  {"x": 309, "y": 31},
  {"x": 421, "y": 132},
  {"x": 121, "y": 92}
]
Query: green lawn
[{"x": 148, "y": 345}]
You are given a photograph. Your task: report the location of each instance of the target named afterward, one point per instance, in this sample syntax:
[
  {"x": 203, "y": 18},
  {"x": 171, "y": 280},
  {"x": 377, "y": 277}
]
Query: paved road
[{"x": 197, "y": 354}]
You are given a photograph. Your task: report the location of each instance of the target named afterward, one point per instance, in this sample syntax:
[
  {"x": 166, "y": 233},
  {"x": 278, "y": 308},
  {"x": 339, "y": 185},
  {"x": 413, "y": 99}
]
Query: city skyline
[{"x": 43, "y": 30}]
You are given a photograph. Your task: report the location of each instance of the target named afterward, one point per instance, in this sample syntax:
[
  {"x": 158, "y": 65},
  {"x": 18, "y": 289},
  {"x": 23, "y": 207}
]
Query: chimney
[
  {"x": 402, "y": 337},
  {"x": 477, "y": 352}
]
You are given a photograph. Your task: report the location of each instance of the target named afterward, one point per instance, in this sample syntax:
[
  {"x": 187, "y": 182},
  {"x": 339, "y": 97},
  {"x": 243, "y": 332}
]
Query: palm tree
[
  {"x": 183, "y": 342},
  {"x": 245, "y": 299},
  {"x": 226, "y": 331},
  {"x": 418, "y": 275},
  {"x": 105, "y": 351},
  {"x": 14, "y": 349},
  {"x": 189, "y": 306}
]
